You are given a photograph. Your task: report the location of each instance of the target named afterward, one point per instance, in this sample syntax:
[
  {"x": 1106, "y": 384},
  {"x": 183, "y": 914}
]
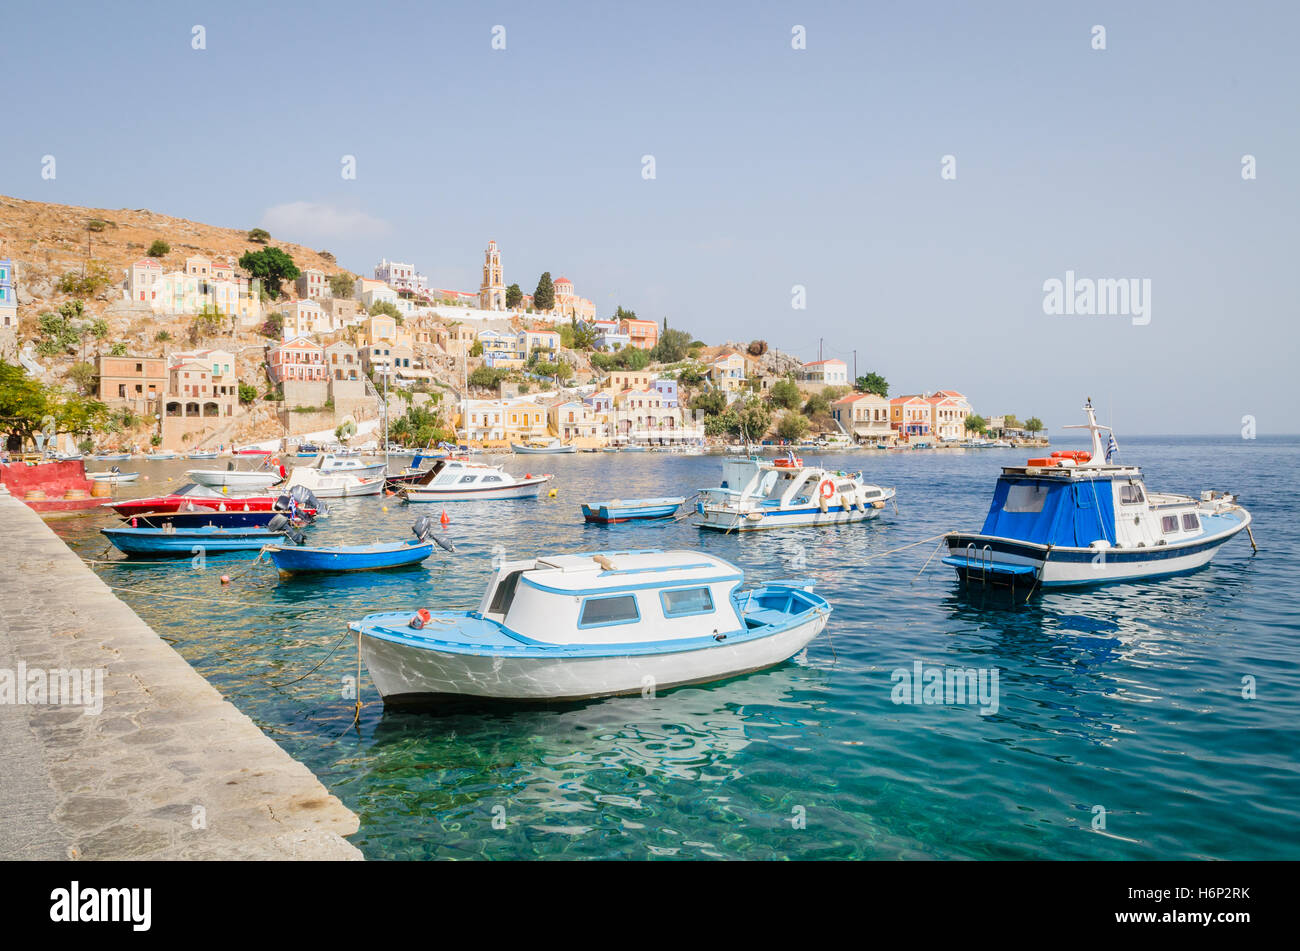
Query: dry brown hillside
[{"x": 48, "y": 239}]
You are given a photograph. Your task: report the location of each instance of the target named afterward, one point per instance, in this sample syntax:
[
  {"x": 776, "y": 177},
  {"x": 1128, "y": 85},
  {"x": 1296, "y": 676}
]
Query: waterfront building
[
  {"x": 492, "y": 292},
  {"x": 667, "y": 388},
  {"x": 222, "y": 375},
  {"x": 577, "y": 422},
  {"x": 909, "y": 416},
  {"x": 619, "y": 380},
  {"x": 8, "y": 310},
  {"x": 948, "y": 412},
  {"x": 502, "y": 421},
  {"x": 864, "y": 416}
]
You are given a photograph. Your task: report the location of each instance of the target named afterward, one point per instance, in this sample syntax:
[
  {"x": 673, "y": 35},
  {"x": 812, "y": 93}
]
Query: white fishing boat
[
  {"x": 573, "y": 627},
  {"x": 333, "y": 483},
  {"x": 355, "y": 465},
  {"x": 455, "y": 480},
  {"x": 1078, "y": 518},
  {"x": 785, "y": 493},
  {"x": 160, "y": 455},
  {"x": 245, "y": 479},
  {"x": 113, "y": 477},
  {"x": 554, "y": 447}
]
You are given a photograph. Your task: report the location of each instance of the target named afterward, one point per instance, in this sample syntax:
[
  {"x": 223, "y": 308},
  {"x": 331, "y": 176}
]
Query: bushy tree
[
  {"x": 784, "y": 394},
  {"x": 514, "y": 296},
  {"x": 792, "y": 427},
  {"x": 974, "y": 423},
  {"x": 673, "y": 345},
  {"x": 159, "y": 249},
  {"x": 386, "y": 308},
  {"x": 757, "y": 348},
  {"x": 271, "y": 266},
  {"x": 872, "y": 383},
  {"x": 1034, "y": 425},
  {"x": 259, "y": 236},
  {"x": 342, "y": 285}
]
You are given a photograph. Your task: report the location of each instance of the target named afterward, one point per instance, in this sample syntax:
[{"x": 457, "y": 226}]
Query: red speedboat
[{"x": 197, "y": 498}]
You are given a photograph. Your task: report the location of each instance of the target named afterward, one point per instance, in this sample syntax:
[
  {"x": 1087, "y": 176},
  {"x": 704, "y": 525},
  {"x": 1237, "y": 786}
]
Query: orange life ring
[{"x": 828, "y": 489}]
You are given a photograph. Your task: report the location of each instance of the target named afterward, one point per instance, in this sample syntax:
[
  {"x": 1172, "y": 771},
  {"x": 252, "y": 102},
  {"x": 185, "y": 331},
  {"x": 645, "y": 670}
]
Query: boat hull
[
  {"x": 183, "y": 542},
  {"x": 234, "y": 478},
  {"x": 523, "y": 489},
  {"x": 406, "y": 675},
  {"x": 296, "y": 560},
  {"x": 611, "y": 513},
  {"x": 983, "y": 559},
  {"x": 542, "y": 450},
  {"x": 727, "y": 520}
]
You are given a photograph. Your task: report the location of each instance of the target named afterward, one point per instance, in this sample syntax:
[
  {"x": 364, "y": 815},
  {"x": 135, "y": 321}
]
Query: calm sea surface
[{"x": 1128, "y": 698}]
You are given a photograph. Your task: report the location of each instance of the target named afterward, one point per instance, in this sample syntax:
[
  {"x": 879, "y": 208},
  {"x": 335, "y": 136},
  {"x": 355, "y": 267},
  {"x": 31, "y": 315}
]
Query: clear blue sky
[{"x": 775, "y": 167}]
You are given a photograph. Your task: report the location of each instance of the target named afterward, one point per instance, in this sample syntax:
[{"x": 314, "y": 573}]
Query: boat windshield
[{"x": 505, "y": 593}]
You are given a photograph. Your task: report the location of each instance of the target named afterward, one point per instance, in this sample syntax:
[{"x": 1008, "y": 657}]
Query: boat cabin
[{"x": 615, "y": 597}]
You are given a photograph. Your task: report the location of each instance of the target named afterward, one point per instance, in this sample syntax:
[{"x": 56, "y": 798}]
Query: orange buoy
[
  {"x": 225, "y": 579},
  {"x": 445, "y": 518}
]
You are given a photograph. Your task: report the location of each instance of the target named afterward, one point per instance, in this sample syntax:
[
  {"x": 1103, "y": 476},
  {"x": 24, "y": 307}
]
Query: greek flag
[{"x": 1112, "y": 447}]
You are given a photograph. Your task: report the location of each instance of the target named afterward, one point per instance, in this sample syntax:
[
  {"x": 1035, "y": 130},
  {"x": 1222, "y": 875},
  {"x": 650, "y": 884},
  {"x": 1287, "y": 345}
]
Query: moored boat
[
  {"x": 209, "y": 539},
  {"x": 554, "y": 447},
  {"x": 247, "y": 479},
  {"x": 297, "y": 558},
  {"x": 627, "y": 510},
  {"x": 454, "y": 480},
  {"x": 573, "y": 627},
  {"x": 786, "y": 493},
  {"x": 194, "y": 497},
  {"x": 113, "y": 477},
  {"x": 1078, "y": 518}
]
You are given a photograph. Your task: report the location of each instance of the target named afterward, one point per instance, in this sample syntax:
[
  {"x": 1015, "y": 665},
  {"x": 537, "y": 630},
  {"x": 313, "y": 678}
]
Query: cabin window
[
  {"x": 597, "y": 612},
  {"x": 468, "y": 478},
  {"x": 1169, "y": 524},
  {"x": 685, "y": 601},
  {"x": 505, "y": 593},
  {"x": 1190, "y": 522},
  {"x": 491, "y": 478},
  {"x": 1025, "y": 497},
  {"x": 1131, "y": 494}
]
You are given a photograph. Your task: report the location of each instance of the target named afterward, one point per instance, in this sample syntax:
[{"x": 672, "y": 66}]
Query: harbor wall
[{"x": 165, "y": 768}]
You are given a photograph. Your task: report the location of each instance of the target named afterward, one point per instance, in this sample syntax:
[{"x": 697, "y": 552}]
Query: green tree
[
  {"x": 271, "y": 266},
  {"x": 99, "y": 331},
  {"x": 162, "y": 336},
  {"x": 273, "y": 326},
  {"x": 1010, "y": 422},
  {"x": 621, "y": 314},
  {"x": 757, "y": 348},
  {"x": 975, "y": 423},
  {"x": 514, "y": 297},
  {"x": 476, "y": 350},
  {"x": 1034, "y": 425},
  {"x": 159, "y": 249},
  {"x": 710, "y": 403},
  {"x": 386, "y": 308},
  {"x": 690, "y": 376},
  {"x": 817, "y": 405},
  {"x": 872, "y": 383},
  {"x": 544, "y": 296},
  {"x": 247, "y": 393},
  {"x": 259, "y": 236},
  {"x": 118, "y": 349},
  {"x": 785, "y": 394},
  {"x": 206, "y": 323},
  {"x": 486, "y": 377},
  {"x": 25, "y": 404},
  {"x": 673, "y": 346},
  {"x": 632, "y": 358},
  {"x": 342, "y": 285},
  {"x": 97, "y": 276},
  {"x": 792, "y": 427},
  {"x": 753, "y": 419}
]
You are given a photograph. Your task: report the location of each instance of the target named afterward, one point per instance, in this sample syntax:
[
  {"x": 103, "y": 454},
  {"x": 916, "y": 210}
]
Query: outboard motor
[
  {"x": 424, "y": 531},
  {"x": 307, "y": 499},
  {"x": 230, "y": 466},
  {"x": 281, "y": 525},
  {"x": 114, "y": 469}
]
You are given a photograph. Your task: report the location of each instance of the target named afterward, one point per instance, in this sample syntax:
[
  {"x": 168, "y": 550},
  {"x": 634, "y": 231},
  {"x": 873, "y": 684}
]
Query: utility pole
[
  {"x": 855, "y": 366},
  {"x": 820, "y": 341}
]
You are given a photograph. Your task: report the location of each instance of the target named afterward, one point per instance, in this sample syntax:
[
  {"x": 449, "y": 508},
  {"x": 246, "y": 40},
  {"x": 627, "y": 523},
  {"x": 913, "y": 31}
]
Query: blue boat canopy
[{"x": 1055, "y": 512}]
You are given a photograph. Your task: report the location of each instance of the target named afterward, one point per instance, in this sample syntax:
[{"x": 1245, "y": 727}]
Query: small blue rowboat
[
  {"x": 292, "y": 560},
  {"x": 627, "y": 510},
  {"x": 296, "y": 558},
  {"x": 208, "y": 539}
]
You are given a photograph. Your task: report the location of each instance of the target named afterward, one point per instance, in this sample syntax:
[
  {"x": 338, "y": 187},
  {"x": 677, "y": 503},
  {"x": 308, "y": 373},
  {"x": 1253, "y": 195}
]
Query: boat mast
[{"x": 1095, "y": 429}]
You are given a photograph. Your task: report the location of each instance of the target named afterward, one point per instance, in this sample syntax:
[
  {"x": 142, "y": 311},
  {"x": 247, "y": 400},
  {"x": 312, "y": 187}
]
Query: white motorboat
[
  {"x": 1076, "y": 518},
  {"x": 785, "y": 493},
  {"x": 573, "y": 627},
  {"x": 353, "y": 464},
  {"x": 334, "y": 483},
  {"x": 246, "y": 479},
  {"x": 554, "y": 447},
  {"x": 455, "y": 480},
  {"x": 112, "y": 477}
]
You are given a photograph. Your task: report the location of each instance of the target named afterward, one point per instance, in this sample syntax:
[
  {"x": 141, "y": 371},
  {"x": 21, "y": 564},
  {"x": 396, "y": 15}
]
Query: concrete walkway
[{"x": 167, "y": 769}]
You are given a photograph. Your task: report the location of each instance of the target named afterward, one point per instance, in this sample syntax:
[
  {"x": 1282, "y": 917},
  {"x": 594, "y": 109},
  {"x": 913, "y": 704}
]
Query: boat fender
[
  {"x": 846, "y": 503},
  {"x": 878, "y": 504},
  {"x": 420, "y": 618},
  {"x": 821, "y": 503},
  {"x": 528, "y": 475}
]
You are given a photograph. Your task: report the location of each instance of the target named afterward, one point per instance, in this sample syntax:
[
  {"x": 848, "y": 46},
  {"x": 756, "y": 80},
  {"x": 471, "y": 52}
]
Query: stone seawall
[{"x": 167, "y": 769}]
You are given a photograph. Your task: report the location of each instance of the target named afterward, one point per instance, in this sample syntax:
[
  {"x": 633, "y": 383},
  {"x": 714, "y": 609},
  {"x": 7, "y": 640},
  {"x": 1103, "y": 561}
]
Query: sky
[{"x": 775, "y": 168}]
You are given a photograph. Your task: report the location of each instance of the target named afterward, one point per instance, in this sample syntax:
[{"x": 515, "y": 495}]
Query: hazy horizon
[{"x": 774, "y": 167}]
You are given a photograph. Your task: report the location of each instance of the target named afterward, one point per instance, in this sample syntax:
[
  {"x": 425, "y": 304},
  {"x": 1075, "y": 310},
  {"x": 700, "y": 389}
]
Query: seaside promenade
[{"x": 166, "y": 769}]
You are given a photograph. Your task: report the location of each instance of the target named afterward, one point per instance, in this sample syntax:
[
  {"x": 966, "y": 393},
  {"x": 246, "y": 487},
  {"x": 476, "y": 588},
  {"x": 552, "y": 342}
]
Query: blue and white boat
[
  {"x": 573, "y": 627},
  {"x": 297, "y": 558},
  {"x": 1077, "y": 518},
  {"x": 208, "y": 539},
  {"x": 785, "y": 493},
  {"x": 628, "y": 510}
]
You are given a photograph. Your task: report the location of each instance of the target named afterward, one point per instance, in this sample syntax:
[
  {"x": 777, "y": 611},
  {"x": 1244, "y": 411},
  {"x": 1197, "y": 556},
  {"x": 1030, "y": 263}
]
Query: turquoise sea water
[{"x": 1127, "y": 698}]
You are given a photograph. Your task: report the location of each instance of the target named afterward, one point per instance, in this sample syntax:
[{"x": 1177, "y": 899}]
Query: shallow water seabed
[{"x": 1128, "y": 697}]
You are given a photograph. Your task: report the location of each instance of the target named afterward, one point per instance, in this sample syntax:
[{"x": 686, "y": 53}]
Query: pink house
[{"x": 297, "y": 359}]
